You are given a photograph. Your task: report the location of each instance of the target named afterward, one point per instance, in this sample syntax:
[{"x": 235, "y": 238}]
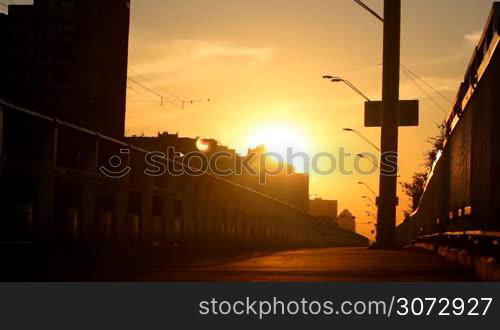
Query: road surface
[{"x": 320, "y": 265}]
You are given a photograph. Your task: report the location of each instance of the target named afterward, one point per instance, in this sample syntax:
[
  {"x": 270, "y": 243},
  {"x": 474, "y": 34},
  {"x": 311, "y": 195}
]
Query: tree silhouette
[{"x": 416, "y": 187}]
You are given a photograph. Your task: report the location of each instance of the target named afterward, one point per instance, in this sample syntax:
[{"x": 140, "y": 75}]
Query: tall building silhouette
[
  {"x": 68, "y": 59},
  {"x": 3, "y": 54},
  {"x": 323, "y": 208}
]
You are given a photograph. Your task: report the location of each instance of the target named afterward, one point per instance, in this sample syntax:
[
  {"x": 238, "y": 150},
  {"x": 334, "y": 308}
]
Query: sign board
[{"x": 408, "y": 113}]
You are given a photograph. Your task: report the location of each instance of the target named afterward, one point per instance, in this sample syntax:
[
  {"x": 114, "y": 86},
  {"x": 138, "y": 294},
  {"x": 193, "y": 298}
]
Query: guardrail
[{"x": 52, "y": 191}]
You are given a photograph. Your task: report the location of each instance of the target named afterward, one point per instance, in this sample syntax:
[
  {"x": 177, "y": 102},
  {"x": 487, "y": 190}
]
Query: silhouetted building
[
  {"x": 68, "y": 59},
  {"x": 324, "y": 208},
  {"x": 163, "y": 141},
  {"x": 281, "y": 180},
  {"x": 347, "y": 221},
  {"x": 287, "y": 185},
  {"x": 3, "y": 54},
  {"x": 186, "y": 145}
]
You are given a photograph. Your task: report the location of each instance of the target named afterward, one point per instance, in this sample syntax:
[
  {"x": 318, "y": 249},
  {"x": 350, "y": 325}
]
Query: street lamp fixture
[
  {"x": 335, "y": 79},
  {"x": 363, "y": 156}
]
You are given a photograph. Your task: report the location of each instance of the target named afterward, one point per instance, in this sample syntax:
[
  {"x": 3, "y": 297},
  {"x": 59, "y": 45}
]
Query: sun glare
[
  {"x": 202, "y": 145},
  {"x": 278, "y": 138}
]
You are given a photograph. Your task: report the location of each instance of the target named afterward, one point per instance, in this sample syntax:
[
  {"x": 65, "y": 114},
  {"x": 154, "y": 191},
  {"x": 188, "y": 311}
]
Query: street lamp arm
[
  {"x": 371, "y": 11},
  {"x": 354, "y": 88},
  {"x": 368, "y": 187},
  {"x": 367, "y": 140},
  {"x": 335, "y": 79},
  {"x": 368, "y": 198},
  {"x": 371, "y": 190}
]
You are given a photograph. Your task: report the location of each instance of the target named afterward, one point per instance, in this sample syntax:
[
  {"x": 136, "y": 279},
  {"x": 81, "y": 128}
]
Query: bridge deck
[{"x": 321, "y": 265}]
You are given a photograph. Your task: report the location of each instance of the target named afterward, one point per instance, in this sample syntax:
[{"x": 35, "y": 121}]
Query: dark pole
[
  {"x": 389, "y": 138},
  {"x": 1, "y": 133}
]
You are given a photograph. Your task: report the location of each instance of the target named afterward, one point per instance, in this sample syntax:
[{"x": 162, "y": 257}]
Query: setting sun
[{"x": 278, "y": 138}]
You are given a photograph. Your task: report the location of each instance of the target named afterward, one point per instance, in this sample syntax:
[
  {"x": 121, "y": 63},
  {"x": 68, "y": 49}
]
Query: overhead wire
[
  {"x": 427, "y": 84},
  {"x": 424, "y": 91}
]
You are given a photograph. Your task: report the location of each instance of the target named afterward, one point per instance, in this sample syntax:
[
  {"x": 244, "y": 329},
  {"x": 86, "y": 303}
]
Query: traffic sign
[{"x": 408, "y": 113}]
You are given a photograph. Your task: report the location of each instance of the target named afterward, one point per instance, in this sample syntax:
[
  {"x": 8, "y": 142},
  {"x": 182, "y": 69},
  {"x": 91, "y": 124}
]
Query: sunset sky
[{"x": 260, "y": 63}]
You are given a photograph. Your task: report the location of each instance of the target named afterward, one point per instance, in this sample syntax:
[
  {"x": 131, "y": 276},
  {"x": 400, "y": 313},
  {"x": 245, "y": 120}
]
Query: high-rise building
[
  {"x": 3, "y": 53},
  {"x": 323, "y": 208},
  {"x": 68, "y": 59}
]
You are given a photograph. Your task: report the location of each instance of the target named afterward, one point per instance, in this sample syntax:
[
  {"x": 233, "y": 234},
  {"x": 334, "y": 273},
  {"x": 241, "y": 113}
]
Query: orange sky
[{"x": 260, "y": 62}]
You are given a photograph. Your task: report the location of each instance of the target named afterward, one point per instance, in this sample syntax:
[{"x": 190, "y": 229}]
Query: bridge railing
[
  {"x": 54, "y": 191},
  {"x": 461, "y": 193}
]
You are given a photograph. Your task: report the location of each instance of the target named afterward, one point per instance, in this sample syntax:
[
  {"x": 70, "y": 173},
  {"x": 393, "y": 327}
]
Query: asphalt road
[{"x": 320, "y": 265}]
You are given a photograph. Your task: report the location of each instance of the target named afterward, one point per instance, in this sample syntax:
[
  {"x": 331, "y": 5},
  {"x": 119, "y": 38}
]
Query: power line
[
  {"x": 178, "y": 102},
  {"x": 427, "y": 84},
  {"x": 193, "y": 102},
  {"x": 424, "y": 91},
  {"x": 162, "y": 98},
  {"x": 154, "y": 84},
  {"x": 407, "y": 71},
  {"x": 142, "y": 94},
  {"x": 412, "y": 76}
]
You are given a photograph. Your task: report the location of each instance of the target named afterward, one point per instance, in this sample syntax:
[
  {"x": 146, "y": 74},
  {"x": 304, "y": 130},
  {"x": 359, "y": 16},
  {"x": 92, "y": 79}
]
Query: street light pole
[{"x": 389, "y": 136}]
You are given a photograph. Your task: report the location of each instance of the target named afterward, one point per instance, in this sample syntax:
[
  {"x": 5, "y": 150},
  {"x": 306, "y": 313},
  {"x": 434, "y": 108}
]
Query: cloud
[
  {"x": 473, "y": 37},
  {"x": 231, "y": 52},
  {"x": 188, "y": 59}
]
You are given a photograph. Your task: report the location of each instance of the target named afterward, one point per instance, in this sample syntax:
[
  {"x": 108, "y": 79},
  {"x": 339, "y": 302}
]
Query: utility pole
[
  {"x": 1, "y": 132},
  {"x": 388, "y": 201}
]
